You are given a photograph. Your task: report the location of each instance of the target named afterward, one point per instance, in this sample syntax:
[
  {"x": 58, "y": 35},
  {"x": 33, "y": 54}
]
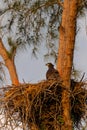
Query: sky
[
  {"x": 81, "y": 46},
  {"x": 32, "y": 69}
]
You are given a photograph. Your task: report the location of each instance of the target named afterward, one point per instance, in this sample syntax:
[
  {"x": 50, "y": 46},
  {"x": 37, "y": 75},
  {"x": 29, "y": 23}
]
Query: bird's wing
[
  {"x": 55, "y": 71},
  {"x": 49, "y": 73}
]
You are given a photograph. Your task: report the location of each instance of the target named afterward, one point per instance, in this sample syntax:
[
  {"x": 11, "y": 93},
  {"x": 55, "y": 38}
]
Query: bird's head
[{"x": 50, "y": 65}]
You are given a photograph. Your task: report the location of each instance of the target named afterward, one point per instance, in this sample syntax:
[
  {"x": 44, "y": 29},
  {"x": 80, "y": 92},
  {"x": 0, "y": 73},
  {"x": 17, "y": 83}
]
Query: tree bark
[
  {"x": 9, "y": 64},
  {"x": 65, "y": 56}
]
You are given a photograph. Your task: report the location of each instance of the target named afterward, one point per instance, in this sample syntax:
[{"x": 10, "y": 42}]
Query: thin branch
[
  {"x": 60, "y": 3},
  {"x": 5, "y": 11},
  {"x": 82, "y": 77},
  {"x": 41, "y": 6},
  {"x": 33, "y": 10}
]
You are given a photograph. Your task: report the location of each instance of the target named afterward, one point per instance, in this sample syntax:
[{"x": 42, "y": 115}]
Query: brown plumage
[{"x": 51, "y": 73}]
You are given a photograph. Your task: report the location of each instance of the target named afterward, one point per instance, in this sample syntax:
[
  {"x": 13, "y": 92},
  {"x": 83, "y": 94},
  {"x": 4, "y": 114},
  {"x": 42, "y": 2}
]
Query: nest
[{"x": 39, "y": 105}]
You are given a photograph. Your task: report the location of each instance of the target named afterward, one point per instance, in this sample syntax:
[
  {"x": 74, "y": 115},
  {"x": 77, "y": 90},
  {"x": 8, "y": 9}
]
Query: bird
[{"x": 52, "y": 73}]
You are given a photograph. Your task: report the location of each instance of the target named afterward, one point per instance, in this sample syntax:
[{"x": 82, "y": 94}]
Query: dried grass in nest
[
  {"x": 41, "y": 104},
  {"x": 78, "y": 102}
]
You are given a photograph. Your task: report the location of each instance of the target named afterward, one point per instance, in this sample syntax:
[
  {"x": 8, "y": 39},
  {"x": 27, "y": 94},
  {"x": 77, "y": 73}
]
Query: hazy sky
[
  {"x": 80, "y": 57},
  {"x": 33, "y": 70}
]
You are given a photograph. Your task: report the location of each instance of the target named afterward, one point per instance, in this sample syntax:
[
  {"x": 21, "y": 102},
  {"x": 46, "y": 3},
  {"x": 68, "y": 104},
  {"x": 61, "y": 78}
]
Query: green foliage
[
  {"x": 10, "y": 41},
  {"x": 60, "y": 119},
  {"x": 81, "y": 7},
  {"x": 35, "y": 21},
  {"x": 13, "y": 47}
]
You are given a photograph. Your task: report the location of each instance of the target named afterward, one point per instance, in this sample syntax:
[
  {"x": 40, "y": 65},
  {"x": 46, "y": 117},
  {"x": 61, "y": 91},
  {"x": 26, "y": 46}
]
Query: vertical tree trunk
[
  {"x": 9, "y": 64},
  {"x": 65, "y": 57}
]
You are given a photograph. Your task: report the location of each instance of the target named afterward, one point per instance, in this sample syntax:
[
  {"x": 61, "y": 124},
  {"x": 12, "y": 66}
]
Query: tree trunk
[
  {"x": 9, "y": 64},
  {"x": 65, "y": 57}
]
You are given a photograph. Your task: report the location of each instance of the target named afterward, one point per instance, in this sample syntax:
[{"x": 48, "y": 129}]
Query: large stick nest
[{"x": 40, "y": 104}]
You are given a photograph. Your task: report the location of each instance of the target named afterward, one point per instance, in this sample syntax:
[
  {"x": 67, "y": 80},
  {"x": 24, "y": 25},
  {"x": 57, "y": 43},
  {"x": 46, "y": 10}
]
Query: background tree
[
  {"x": 29, "y": 22},
  {"x": 65, "y": 57}
]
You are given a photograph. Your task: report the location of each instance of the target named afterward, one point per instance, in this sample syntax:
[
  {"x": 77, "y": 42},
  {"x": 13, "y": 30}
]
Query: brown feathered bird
[{"x": 52, "y": 73}]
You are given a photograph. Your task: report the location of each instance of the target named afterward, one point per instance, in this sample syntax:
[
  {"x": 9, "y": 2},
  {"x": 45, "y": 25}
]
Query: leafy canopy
[{"x": 34, "y": 21}]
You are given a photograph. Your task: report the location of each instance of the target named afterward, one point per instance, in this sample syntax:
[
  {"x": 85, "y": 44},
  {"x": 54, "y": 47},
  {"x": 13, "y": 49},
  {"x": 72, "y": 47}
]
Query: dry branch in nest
[{"x": 40, "y": 104}]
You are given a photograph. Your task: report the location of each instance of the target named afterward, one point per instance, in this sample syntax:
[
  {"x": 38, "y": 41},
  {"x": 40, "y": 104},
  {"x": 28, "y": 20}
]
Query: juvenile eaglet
[{"x": 52, "y": 73}]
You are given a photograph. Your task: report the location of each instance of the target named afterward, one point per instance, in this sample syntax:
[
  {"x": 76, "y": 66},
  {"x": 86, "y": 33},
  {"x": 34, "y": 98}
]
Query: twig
[
  {"x": 82, "y": 77},
  {"x": 60, "y": 3}
]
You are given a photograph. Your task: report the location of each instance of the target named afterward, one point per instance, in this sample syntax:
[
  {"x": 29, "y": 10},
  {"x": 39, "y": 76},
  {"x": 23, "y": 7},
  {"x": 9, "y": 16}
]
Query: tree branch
[
  {"x": 9, "y": 64},
  {"x": 60, "y": 3},
  {"x": 33, "y": 10},
  {"x": 47, "y": 4}
]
